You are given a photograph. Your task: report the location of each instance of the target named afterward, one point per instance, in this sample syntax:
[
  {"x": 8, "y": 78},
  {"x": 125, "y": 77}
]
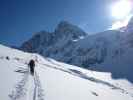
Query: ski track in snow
[{"x": 21, "y": 89}]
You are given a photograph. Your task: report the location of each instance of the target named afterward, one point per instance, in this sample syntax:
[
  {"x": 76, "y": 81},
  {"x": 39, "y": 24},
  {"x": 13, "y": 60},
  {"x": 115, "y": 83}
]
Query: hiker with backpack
[{"x": 32, "y": 66}]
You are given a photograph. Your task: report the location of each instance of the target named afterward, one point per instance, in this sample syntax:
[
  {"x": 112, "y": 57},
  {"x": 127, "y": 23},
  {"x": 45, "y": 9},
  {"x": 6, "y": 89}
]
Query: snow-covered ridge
[{"x": 55, "y": 80}]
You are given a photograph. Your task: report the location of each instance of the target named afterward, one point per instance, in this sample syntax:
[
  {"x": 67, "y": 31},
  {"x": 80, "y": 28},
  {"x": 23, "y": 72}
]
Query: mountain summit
[
  {"x": 44, "y": 39},
  {"x": 65, "y": 28}
]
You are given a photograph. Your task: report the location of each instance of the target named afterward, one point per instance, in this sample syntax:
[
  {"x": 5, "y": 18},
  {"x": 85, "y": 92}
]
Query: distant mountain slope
[
  {"x": 109, "y": 51},
  {"x": 55, "y": 81}
]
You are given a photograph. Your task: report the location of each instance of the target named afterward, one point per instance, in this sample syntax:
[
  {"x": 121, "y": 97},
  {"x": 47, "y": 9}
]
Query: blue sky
[{"x": 20, "y": 19}]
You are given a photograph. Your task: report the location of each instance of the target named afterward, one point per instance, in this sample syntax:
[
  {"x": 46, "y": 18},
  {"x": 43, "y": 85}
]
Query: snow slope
[{"x": 55, "y": 81}]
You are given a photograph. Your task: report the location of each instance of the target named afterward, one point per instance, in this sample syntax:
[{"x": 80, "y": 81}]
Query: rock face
[
  {"x": 43, "y": 39},
  {"x": 48, "y": 44},
  {"x": 109, "y": 51}
]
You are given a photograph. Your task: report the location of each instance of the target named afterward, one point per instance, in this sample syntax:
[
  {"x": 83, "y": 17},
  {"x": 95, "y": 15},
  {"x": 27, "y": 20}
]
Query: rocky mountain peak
[{"x": 66, "y": 28}]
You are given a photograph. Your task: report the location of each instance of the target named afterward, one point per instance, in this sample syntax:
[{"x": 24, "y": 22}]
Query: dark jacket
[{"x": 32, "y": 66}]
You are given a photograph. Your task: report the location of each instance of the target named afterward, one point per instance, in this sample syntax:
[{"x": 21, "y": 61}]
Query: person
[{"x": 32, "y": 66}]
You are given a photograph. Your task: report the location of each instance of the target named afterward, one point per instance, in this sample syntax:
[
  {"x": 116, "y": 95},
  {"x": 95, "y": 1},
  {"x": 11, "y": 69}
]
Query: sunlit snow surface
[{"x": 55, "y": 81}]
